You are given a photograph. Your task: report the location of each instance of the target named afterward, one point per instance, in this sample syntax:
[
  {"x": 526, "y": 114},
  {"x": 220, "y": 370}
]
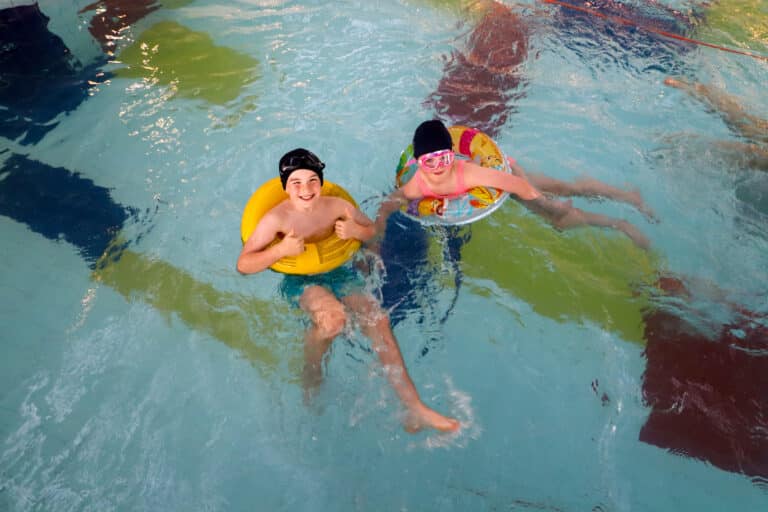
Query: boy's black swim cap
[
  {"x": 431, "y": 136},
  {"x": 299, "y": 158}
]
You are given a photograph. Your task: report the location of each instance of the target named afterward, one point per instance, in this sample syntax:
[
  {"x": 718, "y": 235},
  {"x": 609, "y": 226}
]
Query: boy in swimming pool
[
  {"x": 440, "y": 174},
  {"x": 307, "y": 217}
]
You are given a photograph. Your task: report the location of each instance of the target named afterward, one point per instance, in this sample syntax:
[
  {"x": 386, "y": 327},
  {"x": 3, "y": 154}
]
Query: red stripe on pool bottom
[{"x": 708, "y": 397}]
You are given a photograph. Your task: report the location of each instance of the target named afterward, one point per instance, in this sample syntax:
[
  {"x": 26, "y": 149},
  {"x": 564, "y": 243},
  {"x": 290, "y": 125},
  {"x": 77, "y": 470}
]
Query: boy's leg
[
  {"x": 375, "y": 324},
  {"x": 328, "y": 319}
]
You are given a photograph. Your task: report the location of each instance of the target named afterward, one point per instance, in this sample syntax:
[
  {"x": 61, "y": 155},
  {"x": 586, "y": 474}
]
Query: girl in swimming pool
[{"x": 441, "y": 175}]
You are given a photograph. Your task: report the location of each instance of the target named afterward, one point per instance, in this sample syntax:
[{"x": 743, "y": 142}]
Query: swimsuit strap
[{"x": 461, "y": 187}]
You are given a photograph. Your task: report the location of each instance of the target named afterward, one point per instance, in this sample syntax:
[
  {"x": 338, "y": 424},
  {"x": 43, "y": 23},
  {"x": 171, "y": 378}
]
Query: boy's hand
[
  {"x": 292, "y": 245},
  {"x": 346, "y": 227}
]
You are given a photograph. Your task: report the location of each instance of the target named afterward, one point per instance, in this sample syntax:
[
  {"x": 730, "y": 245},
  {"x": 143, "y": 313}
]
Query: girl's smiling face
[{"x": 303, "y": 188}]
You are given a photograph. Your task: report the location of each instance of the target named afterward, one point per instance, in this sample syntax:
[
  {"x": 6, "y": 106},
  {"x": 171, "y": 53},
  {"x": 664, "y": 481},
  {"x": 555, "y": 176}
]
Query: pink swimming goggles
[{"x": 437, "y": 159}]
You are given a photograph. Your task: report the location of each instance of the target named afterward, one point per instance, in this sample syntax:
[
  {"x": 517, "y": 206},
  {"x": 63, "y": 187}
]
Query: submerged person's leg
[
  {"x": 374, "y": 323},
  {"x": 727, "y": 106},
  {"x": 562, "y": 215},
  {"x": 583, "y": 187},
  {"x": 328, "y": 319},
  {"x": 590, "y": 187},
  {"x": 577, "y": 217},
  {"x": 748, "y": 155}
]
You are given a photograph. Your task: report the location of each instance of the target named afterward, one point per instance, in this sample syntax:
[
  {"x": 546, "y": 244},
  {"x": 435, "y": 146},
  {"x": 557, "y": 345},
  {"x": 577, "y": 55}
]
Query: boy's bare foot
[{"x": 421, "y": 417}]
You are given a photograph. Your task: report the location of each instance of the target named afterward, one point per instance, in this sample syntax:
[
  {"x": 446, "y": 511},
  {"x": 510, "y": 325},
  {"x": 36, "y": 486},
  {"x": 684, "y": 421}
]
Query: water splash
[{"x": 460, "y": 407}]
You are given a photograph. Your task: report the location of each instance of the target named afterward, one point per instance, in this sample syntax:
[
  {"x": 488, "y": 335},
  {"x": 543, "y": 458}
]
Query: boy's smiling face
[{"x": 303, "y": 188}]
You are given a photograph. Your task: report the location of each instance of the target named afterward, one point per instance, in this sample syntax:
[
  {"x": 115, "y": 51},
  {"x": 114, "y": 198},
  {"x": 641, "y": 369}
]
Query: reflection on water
[
  {"x": 39, "y": 77},
  {"x": 189, "y": 62},
  {"x": 111, "y": 18}
]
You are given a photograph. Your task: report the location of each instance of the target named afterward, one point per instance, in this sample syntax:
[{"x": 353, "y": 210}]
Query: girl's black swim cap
[{"x": 431, "y": 136}]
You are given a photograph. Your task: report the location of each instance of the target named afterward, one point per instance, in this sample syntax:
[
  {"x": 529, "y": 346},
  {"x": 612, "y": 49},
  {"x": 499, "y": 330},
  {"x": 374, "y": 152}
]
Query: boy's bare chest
[{"x": 312, "y": 226}]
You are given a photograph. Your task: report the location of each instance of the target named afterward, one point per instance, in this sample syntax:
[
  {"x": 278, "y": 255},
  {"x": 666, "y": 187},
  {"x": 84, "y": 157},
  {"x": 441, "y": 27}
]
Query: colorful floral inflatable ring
[
  {"x": 478, "y": 202},
  {"x": 317, "y": 257}
]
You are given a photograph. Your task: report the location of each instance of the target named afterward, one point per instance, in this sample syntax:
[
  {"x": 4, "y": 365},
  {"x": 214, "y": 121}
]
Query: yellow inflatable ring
[
  {"x": 478, "y": 202},
  {"x": 317, "y": 257}
]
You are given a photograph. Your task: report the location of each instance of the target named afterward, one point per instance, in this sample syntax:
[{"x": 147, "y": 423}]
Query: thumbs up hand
[
  {"x": 345, "y": 226},
  {"x": 292, "y": 245}
]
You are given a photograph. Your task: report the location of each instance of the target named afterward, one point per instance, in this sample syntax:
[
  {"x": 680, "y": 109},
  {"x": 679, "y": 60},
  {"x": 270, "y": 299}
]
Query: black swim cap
[
  {"x": 431, "y": 136},
  {"x": 299, "y": 158}
]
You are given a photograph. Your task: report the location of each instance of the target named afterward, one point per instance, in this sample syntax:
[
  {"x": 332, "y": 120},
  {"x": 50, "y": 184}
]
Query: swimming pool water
[{"x": 160, "y": 379}]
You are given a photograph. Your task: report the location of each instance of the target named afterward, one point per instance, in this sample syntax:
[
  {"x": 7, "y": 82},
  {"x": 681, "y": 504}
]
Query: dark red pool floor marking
[
  {"x": 482, "y": 82},
  {"x": 708, "y": 394}
]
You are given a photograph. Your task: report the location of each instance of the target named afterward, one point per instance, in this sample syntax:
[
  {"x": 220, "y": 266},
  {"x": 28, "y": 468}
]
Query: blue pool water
[{"x": 140, "y": 371}]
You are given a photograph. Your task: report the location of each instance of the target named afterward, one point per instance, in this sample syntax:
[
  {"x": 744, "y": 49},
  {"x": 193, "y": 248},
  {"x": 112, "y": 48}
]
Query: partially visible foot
[
  {"x": 634, "y": 234},
  {"x": 587, "y": 186},
  {"x": 423, "y": 417},
  {"x": 568, "y": 217},
  {"x": 635, "y": 199},
  {"x": 683, "y": 84},
  {"x": 676, "y": 82},
  {"x": 311, "y": 378}
]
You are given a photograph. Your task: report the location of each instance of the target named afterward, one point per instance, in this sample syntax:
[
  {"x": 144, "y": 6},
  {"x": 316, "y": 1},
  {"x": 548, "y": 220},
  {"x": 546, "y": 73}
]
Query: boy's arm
[
  {"x": 257, "y": 255},
  {"x": 354, "y": 224}
]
